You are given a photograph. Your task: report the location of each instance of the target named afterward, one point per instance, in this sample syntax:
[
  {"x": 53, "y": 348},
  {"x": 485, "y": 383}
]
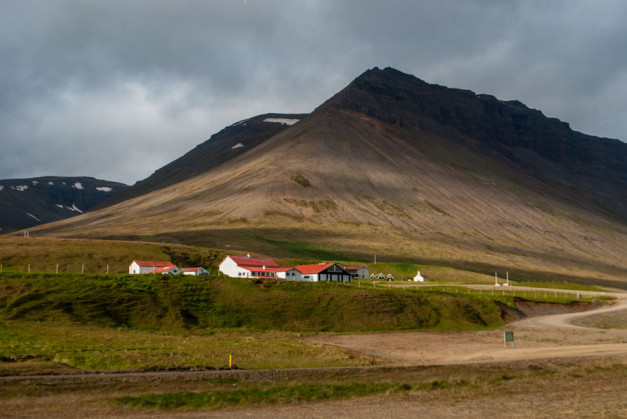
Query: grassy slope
[
  {"x": 73, "y": 255},
  {"x": 180, "y": 303},
  {"x": 146, "y": 321}
]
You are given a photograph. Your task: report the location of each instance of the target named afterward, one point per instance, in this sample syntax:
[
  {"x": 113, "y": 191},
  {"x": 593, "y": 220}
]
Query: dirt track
[{"x": 536, "y": 337}]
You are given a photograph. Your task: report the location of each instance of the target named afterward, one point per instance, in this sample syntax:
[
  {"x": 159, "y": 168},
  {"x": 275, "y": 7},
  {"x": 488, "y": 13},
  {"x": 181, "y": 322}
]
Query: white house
[
  {"x": 249, "y": 267},
  {"x": 359, "y": 271},
  {"x": 331, "y": 272},
  {"x": 420, "y": 278},
  {"x": 147, "y": 266},
  {"x": 199, "y": 271}
]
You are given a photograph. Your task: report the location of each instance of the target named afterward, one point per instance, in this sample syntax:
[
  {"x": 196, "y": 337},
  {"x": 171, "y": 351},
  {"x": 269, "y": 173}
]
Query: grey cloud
[{"x": 92, "y": 87}]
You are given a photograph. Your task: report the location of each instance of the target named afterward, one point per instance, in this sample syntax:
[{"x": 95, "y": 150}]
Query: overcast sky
[{"x": 116, "y": 89}]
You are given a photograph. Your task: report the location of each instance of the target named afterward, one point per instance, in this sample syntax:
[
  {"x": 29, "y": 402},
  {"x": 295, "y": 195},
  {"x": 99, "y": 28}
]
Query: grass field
[{"x": 95, "y": 321}]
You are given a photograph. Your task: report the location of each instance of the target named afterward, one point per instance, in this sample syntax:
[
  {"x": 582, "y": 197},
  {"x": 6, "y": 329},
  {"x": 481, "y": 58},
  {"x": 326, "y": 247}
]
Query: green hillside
[{"x": 176, "y": 304}]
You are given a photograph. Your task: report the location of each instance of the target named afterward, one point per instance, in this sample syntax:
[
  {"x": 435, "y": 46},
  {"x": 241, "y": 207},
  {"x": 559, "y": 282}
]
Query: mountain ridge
[
  {"x": 30, "y": 202},
  {"x": 374, "y": 174}
]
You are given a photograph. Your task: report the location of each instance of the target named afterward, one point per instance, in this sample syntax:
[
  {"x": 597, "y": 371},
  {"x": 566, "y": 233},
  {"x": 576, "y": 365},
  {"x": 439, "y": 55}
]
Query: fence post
[
  {"x": 57, "y": 270},
  {"x": 83, "y": 268}
]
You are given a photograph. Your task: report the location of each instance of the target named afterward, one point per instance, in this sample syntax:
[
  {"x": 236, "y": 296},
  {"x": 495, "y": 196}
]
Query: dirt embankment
[{"x": 525, "y": 309}]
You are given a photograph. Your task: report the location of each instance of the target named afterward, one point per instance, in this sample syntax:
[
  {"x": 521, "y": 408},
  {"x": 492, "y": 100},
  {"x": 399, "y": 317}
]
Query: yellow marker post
[{"x": 230, "y": 359}]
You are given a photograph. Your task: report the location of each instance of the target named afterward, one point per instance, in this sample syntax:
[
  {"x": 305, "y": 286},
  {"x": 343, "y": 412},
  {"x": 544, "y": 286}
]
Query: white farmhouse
[{"x": 249, "y": 267}]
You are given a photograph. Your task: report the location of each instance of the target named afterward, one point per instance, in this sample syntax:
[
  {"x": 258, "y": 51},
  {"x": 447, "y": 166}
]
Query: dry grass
[{"x": 578, "y": 387}]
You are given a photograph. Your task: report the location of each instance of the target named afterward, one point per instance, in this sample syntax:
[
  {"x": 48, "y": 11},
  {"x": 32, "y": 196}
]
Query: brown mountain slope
[
  {"x": 225, "y": 145},
  {"x": 359, "y": 182}
]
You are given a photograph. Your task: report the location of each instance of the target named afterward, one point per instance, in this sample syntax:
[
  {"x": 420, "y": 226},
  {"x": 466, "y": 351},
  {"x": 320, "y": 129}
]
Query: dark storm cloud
[{"x": 117, "y": 89}]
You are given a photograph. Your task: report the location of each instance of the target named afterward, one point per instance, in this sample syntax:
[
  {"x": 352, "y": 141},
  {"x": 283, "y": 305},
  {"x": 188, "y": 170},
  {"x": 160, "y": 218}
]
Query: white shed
[
  {"x": 147, "y": 266},
  {"x": 199, "y": 271}
]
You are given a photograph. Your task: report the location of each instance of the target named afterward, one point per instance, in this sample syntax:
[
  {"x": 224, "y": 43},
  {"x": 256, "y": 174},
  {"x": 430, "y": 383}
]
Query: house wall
[
  {"x": 134, "y": 268},
  {"x": 200, "y": 272},
  {"x": 335, "y": 276},
  {"x": 230, "y": 268},
  {"x": 363, "y": 273},
  {"x": 291, "y": 275}
]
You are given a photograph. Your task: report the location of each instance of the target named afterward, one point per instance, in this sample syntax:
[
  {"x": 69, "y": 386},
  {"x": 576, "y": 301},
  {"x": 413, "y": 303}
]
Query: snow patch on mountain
[
  {"x": 74, "y": 208},
  {"x": 240, "y": 122},
  {"x": 285, "y": 121},
  {"x": 104, "y": 189},
  {"x": 28, "y": 213},
  {"x": 238, "y": 145},
  {"x": 78, "y": 185},
  {"x": 20, "y": 188}
]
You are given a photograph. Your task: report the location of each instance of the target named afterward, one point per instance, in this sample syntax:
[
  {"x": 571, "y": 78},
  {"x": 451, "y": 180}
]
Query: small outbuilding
[
  {"x": 148, "y": 266},
  {"x": 199, "y": 271},
  {"x": 358, "y": 271}
]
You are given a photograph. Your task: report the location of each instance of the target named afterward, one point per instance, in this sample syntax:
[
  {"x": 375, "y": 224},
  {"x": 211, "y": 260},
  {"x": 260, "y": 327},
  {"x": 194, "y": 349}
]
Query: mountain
[
  {"x": 404, "y": 169},
  {"x": 29, "y": 202},
  {"x": 225, "y": 145}
]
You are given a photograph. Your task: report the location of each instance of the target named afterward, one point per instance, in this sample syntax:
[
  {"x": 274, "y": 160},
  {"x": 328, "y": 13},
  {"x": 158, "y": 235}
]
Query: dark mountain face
[
  {"x": 592, "y": 168},
  {"x": 227, "y": 144},
  {"x": 29, "y": 202}
]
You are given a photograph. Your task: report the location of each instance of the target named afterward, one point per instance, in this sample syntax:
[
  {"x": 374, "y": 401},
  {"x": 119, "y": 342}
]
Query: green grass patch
[
  {"x": 301, "y": 180},
  {"x": 304, "y": 249},
  {"x": 61, "y": 345},
  {"x": 183, "y": 304},
  {"x": 256, "y": 396}
]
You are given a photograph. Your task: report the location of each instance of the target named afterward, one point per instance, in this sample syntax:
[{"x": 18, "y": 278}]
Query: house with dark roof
[{"x": 321, "y": 272}]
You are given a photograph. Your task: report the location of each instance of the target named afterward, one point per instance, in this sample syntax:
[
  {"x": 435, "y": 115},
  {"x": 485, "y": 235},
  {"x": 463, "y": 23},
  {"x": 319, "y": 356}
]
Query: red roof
[
  {"x": 148, "y": 263},
  {"x": 254, "y": 261},
  {"x": 313, "y": 269},
  {"x": 163, "y": 270}
]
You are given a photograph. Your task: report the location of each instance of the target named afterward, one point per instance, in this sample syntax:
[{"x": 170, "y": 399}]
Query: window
[{"x": 306, "y": 276}]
